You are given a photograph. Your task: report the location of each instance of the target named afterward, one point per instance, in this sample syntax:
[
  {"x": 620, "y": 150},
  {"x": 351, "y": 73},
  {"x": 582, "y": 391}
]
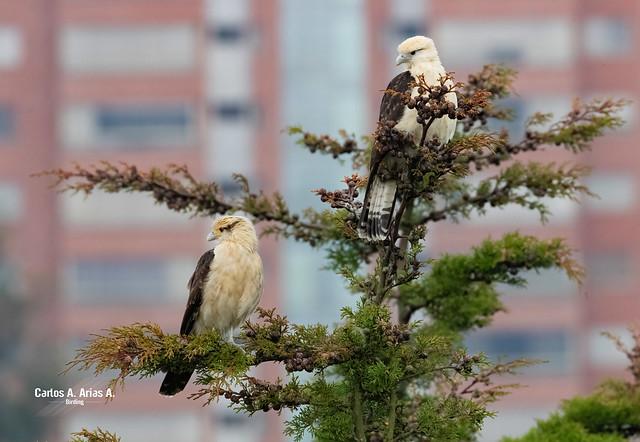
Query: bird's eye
[
  {"x": 413, "y": 52},
  {"x": 229, "y": 226}
]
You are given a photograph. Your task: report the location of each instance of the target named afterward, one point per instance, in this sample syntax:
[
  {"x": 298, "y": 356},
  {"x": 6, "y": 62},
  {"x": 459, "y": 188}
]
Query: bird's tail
[
  {"x": 378, "y": 208},
  {"x": 174, "y": 383}
]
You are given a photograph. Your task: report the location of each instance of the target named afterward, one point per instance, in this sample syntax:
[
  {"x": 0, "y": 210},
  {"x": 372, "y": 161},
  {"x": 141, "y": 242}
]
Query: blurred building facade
[
  {"x": 147, "y": 83},
  {"x": 210, "y": 84}
]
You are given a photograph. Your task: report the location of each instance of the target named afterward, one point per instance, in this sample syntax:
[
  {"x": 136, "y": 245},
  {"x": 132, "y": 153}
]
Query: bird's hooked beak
[
  {"x": 402, "y": 58},
  {"x": 210, "y": 236}
]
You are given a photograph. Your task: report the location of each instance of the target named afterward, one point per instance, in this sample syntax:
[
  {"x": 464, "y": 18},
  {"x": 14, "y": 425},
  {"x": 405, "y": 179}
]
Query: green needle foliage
[
  {"x": 459, "y": 292},
  {"x": 98, "y": 435},
  {"x": 610, "y": 414},
  {"x": 379, "y": 375}
]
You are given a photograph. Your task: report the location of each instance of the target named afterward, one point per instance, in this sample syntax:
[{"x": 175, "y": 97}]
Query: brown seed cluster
[
  {"x": 305, "y": 361},
  {"x": 346, "y": 198},
  {"x": 397, "y": 334},
  {"x": 389, "y": 140},
  {"x": 273, "y": 328},
  {"x": 257, "y": 395},
  {"x": 495, "y": 79},
  {"x": 299, "y": 362},
  {"x": 326, "y": 144},
  {"x": 431, "y": 103},
  {"x": 476, "y": 98},
  {"x": 473, "y": 109}
]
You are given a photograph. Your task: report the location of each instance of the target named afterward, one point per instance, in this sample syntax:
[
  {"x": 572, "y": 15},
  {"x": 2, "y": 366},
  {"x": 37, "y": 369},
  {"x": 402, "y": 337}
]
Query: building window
[
  {"x": 128, "y": 126},
  {"x": 227, "y": 12},
  {"x": 230, "y": 425},
  {"x": 403, "y": 30},
  {"x": 562, "y": 211},
  {"x": 230, "y": 187},
  {"x": 407, "y": 17},
  {"x": 465, "y": 43},
  {"x": 523, "y": 107},
  {"x": 233, "y": 141},
  {"x": 606, "y": 37},
  {"x": 108, "y": 210},
  {"x": 233, "y": 111},
  {"x": 7, "y": 123},
  {"x": 10, "y": 47},
  {"x": 607, "y": 270},
  {"x": 10, "y": 202},
  {"x": 128, "y": 49},
  {"x": 505, "y": 345},
  {"x": 139, "y": 124},
  {"x": 515, "y": 126},
  {"x": 506, "y": 55},
  {"x": 156, "y": 425},
  {"x": 230, "y": 71},
  {"x": 128, "y": 280},
  {"x": 603, "y": 351},
  {"x": 228, "y": 34},
  {"x": 615, "y": 192},
  {"x": 547, "y": 282},
  {"x": 513, "y": 421},
  {"x": 118, "y": 280}
]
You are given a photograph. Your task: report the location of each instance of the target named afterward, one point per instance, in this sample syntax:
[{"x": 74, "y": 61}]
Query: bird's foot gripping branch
[{"x": 379, "y": 374}]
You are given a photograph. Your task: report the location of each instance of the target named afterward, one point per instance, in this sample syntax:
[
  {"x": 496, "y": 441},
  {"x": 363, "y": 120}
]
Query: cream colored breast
[
  {"x": 444, "y": 128},
  {"x": 233, "y": 289}
]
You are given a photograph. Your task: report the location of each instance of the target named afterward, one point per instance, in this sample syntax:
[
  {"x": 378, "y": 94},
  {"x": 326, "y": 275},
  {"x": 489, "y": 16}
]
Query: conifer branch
[
  {"x": 632, "y": 353},
  {"x": 144, "y": 350},
  {"x": 98, "y": 435},
  {"x": 520, "y": 184},
  {"x": 471, "y": 278},
  {"x": 180, "y": 191},
  {"x": 492, "y": 81},
  {"x": 250, "y": 394},
  {"x": 573, "y": 132},
  {"x": 326, "y": 144}
]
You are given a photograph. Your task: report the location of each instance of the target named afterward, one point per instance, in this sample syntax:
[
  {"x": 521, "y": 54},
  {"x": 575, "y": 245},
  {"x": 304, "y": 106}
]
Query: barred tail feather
[{"x": 377, "y": 212}]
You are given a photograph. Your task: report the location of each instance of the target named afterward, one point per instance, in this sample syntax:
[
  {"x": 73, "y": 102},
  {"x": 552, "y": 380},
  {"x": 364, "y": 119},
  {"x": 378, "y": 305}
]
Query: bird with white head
[{"x": 382, "y": 199}]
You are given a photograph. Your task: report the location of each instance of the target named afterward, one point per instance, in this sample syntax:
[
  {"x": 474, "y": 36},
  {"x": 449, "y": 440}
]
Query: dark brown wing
[
  {"x": 175, "y": 381},
  {"x": 196, "y": 287},
  {"x": 391, "y": 109}
]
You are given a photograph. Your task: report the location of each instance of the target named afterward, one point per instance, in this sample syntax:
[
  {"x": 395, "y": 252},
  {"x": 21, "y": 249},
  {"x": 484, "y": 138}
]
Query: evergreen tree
[
  {"x": 380, "y": 375},
  {"x": 610, "y": 414}
]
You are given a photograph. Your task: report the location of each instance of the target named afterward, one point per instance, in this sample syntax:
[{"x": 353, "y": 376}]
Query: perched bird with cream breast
[
  {"x": 224, "y": 291},
  {"x": 420, "y": 57}
]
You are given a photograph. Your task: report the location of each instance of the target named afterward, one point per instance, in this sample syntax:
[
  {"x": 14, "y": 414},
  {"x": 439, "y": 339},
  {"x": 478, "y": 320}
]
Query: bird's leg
[{"x": 228, "y": 336}]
